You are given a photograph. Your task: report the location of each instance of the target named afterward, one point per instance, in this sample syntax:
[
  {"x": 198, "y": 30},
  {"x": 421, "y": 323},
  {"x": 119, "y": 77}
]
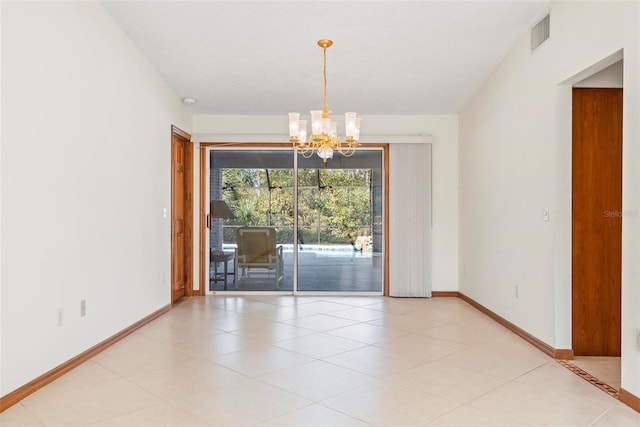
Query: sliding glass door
[{"x": 332, "y": 224}]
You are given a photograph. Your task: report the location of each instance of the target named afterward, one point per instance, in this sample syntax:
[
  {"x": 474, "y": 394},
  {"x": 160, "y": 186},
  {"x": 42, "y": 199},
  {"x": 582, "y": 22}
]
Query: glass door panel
[
  {"x": 339, "y": 223},
  {"x": 256, "y": 244}
]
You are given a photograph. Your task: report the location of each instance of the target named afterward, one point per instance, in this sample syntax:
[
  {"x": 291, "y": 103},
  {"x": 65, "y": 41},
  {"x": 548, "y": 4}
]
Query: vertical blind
[{"x": 410, "y": 220}]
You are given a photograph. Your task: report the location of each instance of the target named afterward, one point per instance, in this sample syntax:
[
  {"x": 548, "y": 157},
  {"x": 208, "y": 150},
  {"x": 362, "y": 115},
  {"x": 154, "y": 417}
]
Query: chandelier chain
[{"x": 325, "y": 105}]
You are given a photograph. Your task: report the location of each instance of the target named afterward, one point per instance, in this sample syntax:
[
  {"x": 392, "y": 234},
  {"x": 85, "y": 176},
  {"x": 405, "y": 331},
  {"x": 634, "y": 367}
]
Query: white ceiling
[{"x": 388, "y": 57}]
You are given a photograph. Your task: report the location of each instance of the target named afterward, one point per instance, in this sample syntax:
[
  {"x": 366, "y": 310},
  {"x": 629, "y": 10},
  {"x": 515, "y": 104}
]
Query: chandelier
[{"x": 324, "y": 139}]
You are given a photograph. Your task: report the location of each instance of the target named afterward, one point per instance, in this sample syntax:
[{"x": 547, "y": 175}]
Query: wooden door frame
[
  {"x": 188, "y": 210},
  {"x": 203, "y": 216}
]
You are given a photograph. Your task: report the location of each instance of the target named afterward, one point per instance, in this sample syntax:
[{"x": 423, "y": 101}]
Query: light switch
[
  {"x": 164, "y": 212},
  {"x": 546, "y": 214}
]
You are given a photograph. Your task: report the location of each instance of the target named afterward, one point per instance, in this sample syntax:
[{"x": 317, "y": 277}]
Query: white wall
[
  {"x": 444, "y": 132},
  {"x": 85, "y": 173},
  {"x": 515, "y": 159}
]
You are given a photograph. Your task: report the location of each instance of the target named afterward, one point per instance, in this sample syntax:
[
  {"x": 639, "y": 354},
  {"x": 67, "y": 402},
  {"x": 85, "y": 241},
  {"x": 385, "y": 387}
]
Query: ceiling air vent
[{"x": 539, "y": 33}]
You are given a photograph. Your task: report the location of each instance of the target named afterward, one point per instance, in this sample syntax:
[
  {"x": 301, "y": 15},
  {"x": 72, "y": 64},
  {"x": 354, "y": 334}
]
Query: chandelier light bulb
[
  {"x": 316, "y": 122},
  {"x": 350, "y": 124},
  {"x": 294, "y": 123},
  {"x": 302, "y": 130}
]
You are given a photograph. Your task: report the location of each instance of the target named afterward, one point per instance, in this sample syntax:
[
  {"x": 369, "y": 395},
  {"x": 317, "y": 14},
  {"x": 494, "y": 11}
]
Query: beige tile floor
[{"x": 320, "y": 361}]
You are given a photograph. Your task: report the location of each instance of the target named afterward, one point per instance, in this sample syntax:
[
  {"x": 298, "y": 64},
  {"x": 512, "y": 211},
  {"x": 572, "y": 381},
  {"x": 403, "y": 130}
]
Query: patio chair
[{"x": 258, "y": 259}]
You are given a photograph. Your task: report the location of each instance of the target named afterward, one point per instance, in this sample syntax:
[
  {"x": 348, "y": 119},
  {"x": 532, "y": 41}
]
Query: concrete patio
[{"x": 344, "y": 270}]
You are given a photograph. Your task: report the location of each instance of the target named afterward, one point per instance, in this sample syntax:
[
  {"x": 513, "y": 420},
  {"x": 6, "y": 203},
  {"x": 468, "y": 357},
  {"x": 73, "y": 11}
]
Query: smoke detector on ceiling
[{"x": 189, "y": 101}]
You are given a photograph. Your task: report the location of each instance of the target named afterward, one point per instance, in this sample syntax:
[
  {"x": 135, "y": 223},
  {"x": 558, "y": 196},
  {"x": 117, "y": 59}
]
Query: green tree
[{"x": 334, "y": 205}]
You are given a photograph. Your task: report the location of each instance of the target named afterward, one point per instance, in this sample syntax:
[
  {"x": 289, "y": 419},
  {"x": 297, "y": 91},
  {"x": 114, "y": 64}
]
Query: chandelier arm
[
  {"x": 346, "y": 151},
  {"x": 307, "y": 150},
  {"x": 306, "y": 153}
]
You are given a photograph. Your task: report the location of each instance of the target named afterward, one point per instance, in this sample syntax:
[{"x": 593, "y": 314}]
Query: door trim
[{"x": 203, "y": 267}]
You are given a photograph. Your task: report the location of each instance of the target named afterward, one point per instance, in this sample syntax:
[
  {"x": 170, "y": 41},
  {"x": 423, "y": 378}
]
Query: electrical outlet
[
  {"x": 60, "y": 317},
  {"x": 83, "y": 308}
]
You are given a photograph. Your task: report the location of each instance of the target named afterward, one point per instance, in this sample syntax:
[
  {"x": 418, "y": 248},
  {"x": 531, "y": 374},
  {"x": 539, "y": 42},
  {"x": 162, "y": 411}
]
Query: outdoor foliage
[{"x": 334, "y": 205}]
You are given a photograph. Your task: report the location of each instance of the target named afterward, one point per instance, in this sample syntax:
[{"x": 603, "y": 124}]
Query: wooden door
[
  {"x": 597, "y": 221},
  {"x": 181, "y": 224}
]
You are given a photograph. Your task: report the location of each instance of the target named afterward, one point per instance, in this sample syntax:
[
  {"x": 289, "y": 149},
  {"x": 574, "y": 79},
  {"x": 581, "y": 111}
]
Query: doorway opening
[{"x": 597, "y": 224}]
